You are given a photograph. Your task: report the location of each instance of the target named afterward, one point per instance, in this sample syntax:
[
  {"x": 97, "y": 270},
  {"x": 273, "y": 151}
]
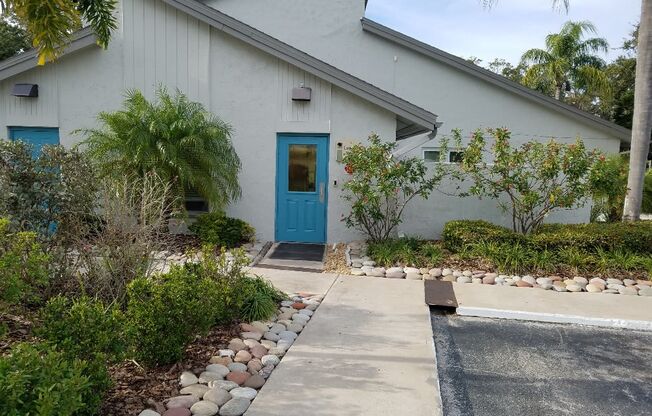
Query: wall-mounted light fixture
[
  {"x": 25, "y": 90},
  {"x": 301, "y": 94}
]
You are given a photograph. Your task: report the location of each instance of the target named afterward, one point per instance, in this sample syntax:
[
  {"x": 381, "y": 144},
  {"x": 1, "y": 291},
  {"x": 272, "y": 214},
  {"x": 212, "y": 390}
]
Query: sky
[{"x": 465, "y": 28}]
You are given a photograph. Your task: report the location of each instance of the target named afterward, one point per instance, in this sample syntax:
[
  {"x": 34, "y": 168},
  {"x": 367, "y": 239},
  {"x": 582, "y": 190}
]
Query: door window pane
[{"x": 302, "y": 160}]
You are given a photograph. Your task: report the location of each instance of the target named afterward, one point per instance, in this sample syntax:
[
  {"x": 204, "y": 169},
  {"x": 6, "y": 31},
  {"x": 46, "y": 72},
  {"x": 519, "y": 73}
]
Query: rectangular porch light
[
  {"x": 25, "y": 90},
  {"x": 301, "y": 94}
]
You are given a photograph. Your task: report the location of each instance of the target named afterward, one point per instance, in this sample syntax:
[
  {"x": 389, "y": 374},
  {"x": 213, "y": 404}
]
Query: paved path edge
[{"x": 554, "y": 318}]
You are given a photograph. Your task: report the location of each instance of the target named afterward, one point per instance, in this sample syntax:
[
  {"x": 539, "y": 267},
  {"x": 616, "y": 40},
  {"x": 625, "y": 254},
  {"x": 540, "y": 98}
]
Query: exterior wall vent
[
  {"x": 25, "y": 90},
  {"x": 301, "y": 94}
]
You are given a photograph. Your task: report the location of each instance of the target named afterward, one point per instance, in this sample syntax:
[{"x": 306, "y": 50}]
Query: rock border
[
  {"x": 163, "y": 260},
  {"x": 362, "y": 265},
  {"x": 231, "y": 380}
]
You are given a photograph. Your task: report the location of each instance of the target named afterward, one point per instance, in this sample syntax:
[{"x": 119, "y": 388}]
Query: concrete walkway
[
  {"x": 368, "y": 350},
  {"x": 595, "y": 309}
]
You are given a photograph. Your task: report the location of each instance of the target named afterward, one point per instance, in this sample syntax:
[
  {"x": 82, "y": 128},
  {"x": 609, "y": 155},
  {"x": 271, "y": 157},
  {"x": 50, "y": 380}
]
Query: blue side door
[
  {"x": 301, "y": 188},
  {"x": 36, "y": 136}
]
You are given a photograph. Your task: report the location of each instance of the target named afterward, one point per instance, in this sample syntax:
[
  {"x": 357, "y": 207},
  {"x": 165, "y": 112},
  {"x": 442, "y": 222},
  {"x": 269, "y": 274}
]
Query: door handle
[{"x": 321, "y": 192}]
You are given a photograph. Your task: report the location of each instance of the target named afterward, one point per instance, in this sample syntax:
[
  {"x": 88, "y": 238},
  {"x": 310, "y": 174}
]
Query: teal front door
[
  {"x": 301, "y": 188},
  {"x": 36, "y": 136}
]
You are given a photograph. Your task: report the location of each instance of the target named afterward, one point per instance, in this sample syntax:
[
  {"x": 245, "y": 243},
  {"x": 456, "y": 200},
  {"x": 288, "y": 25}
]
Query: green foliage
[
  {"x": 166, "y": 312},
  {"x": 218, "y": 229},
  {"x": 569, "y": 62},
  {"x": 461, "y": 233},
  {"x": 531, "y": 181},
  {"x": 13, "y": 39},
  {"x": 38, "y": 380},
  {"x": 594, "y": 247},
  {"x": 23, "y": 265},
  {"x": 259, "y": 299},
  {"x": 381, "y": 185},
  {"x": 609, "y": 186},
  {"x": 175, "y": 138},
  {"x": 407, "y": 251},
  {"x": 51, "y": 22},
  {"x": 647, "y": 193},
  {"x": 84, "y": 328},
  {"x": 53, "y": 191}
]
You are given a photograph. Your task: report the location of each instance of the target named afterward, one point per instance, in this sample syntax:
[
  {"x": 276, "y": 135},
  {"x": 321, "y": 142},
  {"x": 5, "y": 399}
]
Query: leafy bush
[
  {"x": 23, "y": 265},
  {"x": 381, "y": 185},
  {"x": 635, "y": 237},
  {"x": 460, "y": 233},
  {"x": 218, "y": 229},
  {"x": 534, "y": 179},
  {"x": 647, "y": 193},
  {"x": 47, "y": 194},
  {"x": 84, "y": 328},
  {"x": 177, "y": 139},
  {"x": 609, "y": 186},
  {"x": 166, "y": 312},
  {"x": 38, "y": 380}
]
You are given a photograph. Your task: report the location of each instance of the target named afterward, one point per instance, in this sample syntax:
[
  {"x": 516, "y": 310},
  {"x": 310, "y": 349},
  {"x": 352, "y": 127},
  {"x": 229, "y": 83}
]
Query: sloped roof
[
  {"x": 29, "y": 59},
  {"x": 462, "y": 65},
  {"x": 308, "y": 63}
]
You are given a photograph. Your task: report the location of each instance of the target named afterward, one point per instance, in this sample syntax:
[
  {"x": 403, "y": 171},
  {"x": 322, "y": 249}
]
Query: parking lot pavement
[{"x": 503, "y": 367}]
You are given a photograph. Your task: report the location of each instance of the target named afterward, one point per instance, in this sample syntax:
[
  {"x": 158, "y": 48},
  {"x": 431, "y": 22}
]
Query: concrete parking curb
[{"x": 554, "y": 318}]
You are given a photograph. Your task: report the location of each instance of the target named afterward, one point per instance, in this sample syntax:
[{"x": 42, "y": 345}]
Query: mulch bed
[
  {"x": 335, "y": 261},
  {"x": 136, "y": 388}
]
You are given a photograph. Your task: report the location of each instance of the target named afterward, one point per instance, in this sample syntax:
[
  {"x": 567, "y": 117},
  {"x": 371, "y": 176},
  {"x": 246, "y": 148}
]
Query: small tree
[
  {"x": 381, "y": 186},
  {"x": 536, "y": 178},
  {"x": 176, "y": 139},
  {"x": 609, "y": 186}
]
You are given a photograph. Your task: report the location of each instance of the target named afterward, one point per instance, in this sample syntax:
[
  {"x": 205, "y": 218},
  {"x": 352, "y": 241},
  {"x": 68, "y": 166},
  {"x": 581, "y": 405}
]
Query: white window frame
[{"x": 437, "y": 149}]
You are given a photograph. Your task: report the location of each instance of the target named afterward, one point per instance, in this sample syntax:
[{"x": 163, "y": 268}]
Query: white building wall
[{"x": 156, "y": 44}]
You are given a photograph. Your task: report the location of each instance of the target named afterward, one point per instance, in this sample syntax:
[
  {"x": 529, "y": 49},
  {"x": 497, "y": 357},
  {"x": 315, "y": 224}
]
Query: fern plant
[{"x": 172, "y": 136}]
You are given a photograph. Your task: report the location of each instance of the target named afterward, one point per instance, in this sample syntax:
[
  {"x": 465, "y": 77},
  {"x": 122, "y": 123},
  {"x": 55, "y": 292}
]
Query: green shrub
[
  {"x": 165, "y": 313},
  {"x": 23, "y": 265},
  {"x": 38, "y": 380},
  {"x": 635, "y": 237},
  {"x": 84, "y": 328},
  {"x": 460, "y": 233},
  {"x": 506, "y": 257},
  {"x": 647, "y": 193},
  {"x": 259, "y": 299},
  {"x": 216, "y": 228}
]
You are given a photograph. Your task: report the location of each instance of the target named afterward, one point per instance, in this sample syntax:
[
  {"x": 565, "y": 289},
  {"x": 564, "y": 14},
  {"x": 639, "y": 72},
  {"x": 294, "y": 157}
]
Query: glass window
[
  {"x": 302, "y": 167},
  {"x": 455, "y": 157},
  {"x": 431, "y": 155}
]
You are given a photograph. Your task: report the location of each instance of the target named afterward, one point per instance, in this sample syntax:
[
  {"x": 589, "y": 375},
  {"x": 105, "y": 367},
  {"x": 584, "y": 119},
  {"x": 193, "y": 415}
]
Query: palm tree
[
  {"x": 642, "y": 122},
  {"x": 175, "y": 138},
  {"x": 568, "y": 62},
  {"x": 51, "y": 22}
]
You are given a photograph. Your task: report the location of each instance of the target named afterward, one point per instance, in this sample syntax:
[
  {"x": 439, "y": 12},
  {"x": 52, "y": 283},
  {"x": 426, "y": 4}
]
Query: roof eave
[
  {"x": 382, "y": 31},
  {"x": 302, "y": 60},
  {"x": 29, "y": 59}
]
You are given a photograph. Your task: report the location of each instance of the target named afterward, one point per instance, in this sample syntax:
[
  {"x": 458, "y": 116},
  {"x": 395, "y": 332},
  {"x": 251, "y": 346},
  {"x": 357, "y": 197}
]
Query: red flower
[{"x": 349, "y": 169}]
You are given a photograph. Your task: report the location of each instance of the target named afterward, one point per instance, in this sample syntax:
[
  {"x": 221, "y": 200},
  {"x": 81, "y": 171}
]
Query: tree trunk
[
  {"x": 642, "y": 123},
  {"x": 558, "y": 92}
]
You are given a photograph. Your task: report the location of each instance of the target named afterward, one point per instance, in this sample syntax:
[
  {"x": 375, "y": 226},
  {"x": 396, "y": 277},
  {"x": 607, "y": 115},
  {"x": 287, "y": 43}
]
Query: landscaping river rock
[
  {"x": 361, "y": 265},
  {"x": 231, "y": 380}
]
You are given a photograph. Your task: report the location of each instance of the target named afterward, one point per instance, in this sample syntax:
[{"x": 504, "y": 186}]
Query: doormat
[
  {"x": 297, "y": 251},
  {"x": 440, "y": 293}
]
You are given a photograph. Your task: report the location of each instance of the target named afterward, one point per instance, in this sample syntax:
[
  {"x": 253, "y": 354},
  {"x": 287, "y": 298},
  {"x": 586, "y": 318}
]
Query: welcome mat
[{"x": 298, "y": 251}]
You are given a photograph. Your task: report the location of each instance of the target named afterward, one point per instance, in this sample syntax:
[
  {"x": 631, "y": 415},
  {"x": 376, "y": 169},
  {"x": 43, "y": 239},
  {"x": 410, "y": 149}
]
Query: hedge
[{"x": 633, "y": 237}]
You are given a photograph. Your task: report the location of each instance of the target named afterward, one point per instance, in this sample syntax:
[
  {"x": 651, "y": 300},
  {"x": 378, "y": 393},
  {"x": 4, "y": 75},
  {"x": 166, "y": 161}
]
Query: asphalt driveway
[{"x": 512, "y": 368}]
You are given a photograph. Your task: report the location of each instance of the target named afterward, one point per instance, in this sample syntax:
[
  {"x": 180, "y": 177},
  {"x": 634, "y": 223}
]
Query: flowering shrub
[
  {"x": 381, "y": 185},
  {"x": 532, "y": 180}
]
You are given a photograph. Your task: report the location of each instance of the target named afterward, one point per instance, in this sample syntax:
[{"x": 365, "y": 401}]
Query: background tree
[
  {"x": 52, "y": 22},
  {"x": 569, "y": 62},
  {"x": 13, "y": 38},
  {"x": 173, "y": 137}
]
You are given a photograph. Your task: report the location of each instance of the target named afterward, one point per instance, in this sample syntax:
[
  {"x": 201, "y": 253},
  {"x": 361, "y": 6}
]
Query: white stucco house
[{"x": 251, "y": 62}]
